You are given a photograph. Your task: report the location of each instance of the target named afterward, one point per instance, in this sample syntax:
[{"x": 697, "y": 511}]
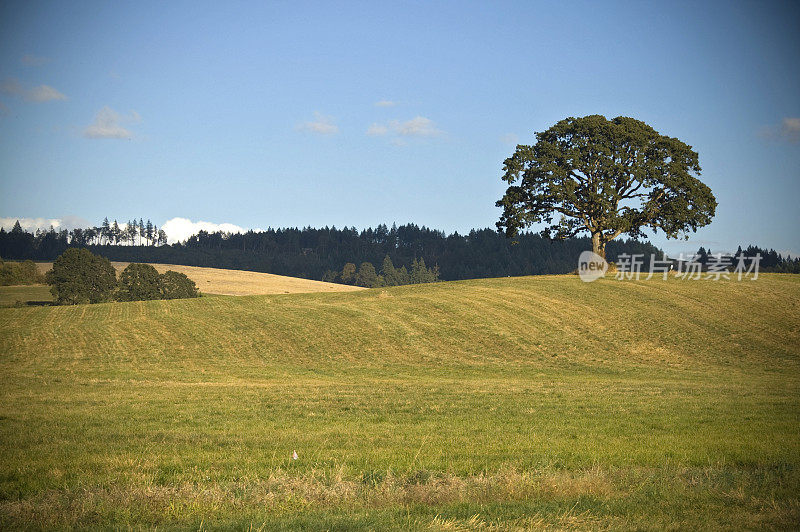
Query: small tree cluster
[
  {"x": 13, "y": 273},
  {"x": 421, "y": 274},
  {"x": 367, "y": 276},
  {"x": 142, "y": 282},
  {"x": 79, "y": 276}
]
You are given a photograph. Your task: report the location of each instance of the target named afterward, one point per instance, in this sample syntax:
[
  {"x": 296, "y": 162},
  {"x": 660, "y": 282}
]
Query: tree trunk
[{"x": 598, "y": 246}]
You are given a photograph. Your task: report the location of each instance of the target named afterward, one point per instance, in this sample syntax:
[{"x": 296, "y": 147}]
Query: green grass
[
  {"x": 502, "y": 403},
  {"x": 22, "y": 295}
]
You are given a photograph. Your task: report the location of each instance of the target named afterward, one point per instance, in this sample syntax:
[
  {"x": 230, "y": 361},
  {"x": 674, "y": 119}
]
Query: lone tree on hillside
[
  {"x": 606, "y": 177},
  {"x": 78, "y": 276}
]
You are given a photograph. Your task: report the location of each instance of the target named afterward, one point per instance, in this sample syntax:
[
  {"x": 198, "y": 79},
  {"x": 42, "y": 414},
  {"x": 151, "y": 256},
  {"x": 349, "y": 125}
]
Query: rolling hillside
[
  {"x": 239, "y": 282},
  {"x": 513, "y": 403}
]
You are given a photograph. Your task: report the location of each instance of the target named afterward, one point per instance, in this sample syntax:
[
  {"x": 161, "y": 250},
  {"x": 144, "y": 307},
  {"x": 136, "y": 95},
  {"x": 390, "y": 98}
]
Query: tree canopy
[
  {"x": 139, "y": 282},
  {"x": 142, "y": 282},
  {"x": 176, "y": 285},
  {"x": 366, "y": 275},
  {"x": 12, "y": 273},
  {"x": 79, "y": 276},
  {"x": 607, "y": 178}
]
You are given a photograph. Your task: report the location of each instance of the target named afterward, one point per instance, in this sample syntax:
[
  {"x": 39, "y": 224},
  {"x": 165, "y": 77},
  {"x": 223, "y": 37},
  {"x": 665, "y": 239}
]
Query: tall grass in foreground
[{"x": 506, "y": 403}]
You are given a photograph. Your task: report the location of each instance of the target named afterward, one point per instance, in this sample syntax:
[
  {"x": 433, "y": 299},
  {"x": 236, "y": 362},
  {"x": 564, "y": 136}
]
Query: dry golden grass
[{"x": 238, "y": 282}]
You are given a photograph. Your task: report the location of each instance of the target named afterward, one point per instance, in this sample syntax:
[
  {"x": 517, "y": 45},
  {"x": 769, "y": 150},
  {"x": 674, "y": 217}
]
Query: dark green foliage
[
  {"x": 139, "y": 282},
  {"x": 330, "y": 276},
  {"x": 479, "y": 253},
  {"x": 607, "y": 178},
  {"x": 116, "y": 233},
  {"x": 142, "y": 282},
  {"x": 402, "y": 276},
  {"x": 771, "y": 260},
  {"x": 105, "y": 232},
  {"x": 79, "y": 276},
  {"x": 389, "y": 272},
  {"x": 394, "y": 276},
  {"x": 131, "y": 231},
  {"x": 14, "y": 273},
  {"x": 348, "y": 275},
  {"x": 367, "y": 276},
  {"x": 176, "y": 285},
  {"x": 391, "y": 276},
  {"x": 702, "y": 255},
  {"x": 421, "y": 274},
  {"x": 148, "y": 231}
]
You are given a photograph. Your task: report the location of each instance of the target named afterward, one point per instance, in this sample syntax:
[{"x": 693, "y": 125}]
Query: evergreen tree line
[
  {"x": 131, "y": 233},
  {"x": 310, "y": 252},
  {"x": 79, "y": 276},
  {"x": 771, "y": 261},
  {"x": 49, "y": 244},
  {"x": 389, "y": 275}
]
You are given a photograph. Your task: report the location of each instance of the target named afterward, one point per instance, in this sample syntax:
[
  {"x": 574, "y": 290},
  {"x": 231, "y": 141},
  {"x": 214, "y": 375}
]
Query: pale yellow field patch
[{"x": 239, "y": 282}]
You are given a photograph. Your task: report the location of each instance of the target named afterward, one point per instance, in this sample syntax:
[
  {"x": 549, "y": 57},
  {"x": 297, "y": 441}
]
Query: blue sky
[{"x": 294, "y": 114}]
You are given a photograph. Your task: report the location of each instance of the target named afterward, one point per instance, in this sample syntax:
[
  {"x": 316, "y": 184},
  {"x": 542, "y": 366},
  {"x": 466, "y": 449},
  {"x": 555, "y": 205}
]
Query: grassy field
[
  {"x": 239, "y": 282},
  {"x": 35, "y": 294},
  {"x": 491, "y": 404}
]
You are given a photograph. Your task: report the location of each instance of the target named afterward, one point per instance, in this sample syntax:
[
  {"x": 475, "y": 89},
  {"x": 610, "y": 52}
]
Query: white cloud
[
  {"x": 108, "y": 124},
  {"x": 385, "y": 103},
  {"x": 34, "y": 60},
  {"x": 42, "y": 93},
  {"x": 416, "y": 127},
  {"x": 788, "y": 130},
  {"x": 179, "y": 229},
  {"x": 32, "y": 224},
  {"x": 377, "y": 130},
  {"x": 322, "y": 125}
]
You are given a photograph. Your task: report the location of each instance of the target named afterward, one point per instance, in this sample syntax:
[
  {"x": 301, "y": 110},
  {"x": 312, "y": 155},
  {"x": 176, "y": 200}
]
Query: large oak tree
[{"x": 607, "y": 178}]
